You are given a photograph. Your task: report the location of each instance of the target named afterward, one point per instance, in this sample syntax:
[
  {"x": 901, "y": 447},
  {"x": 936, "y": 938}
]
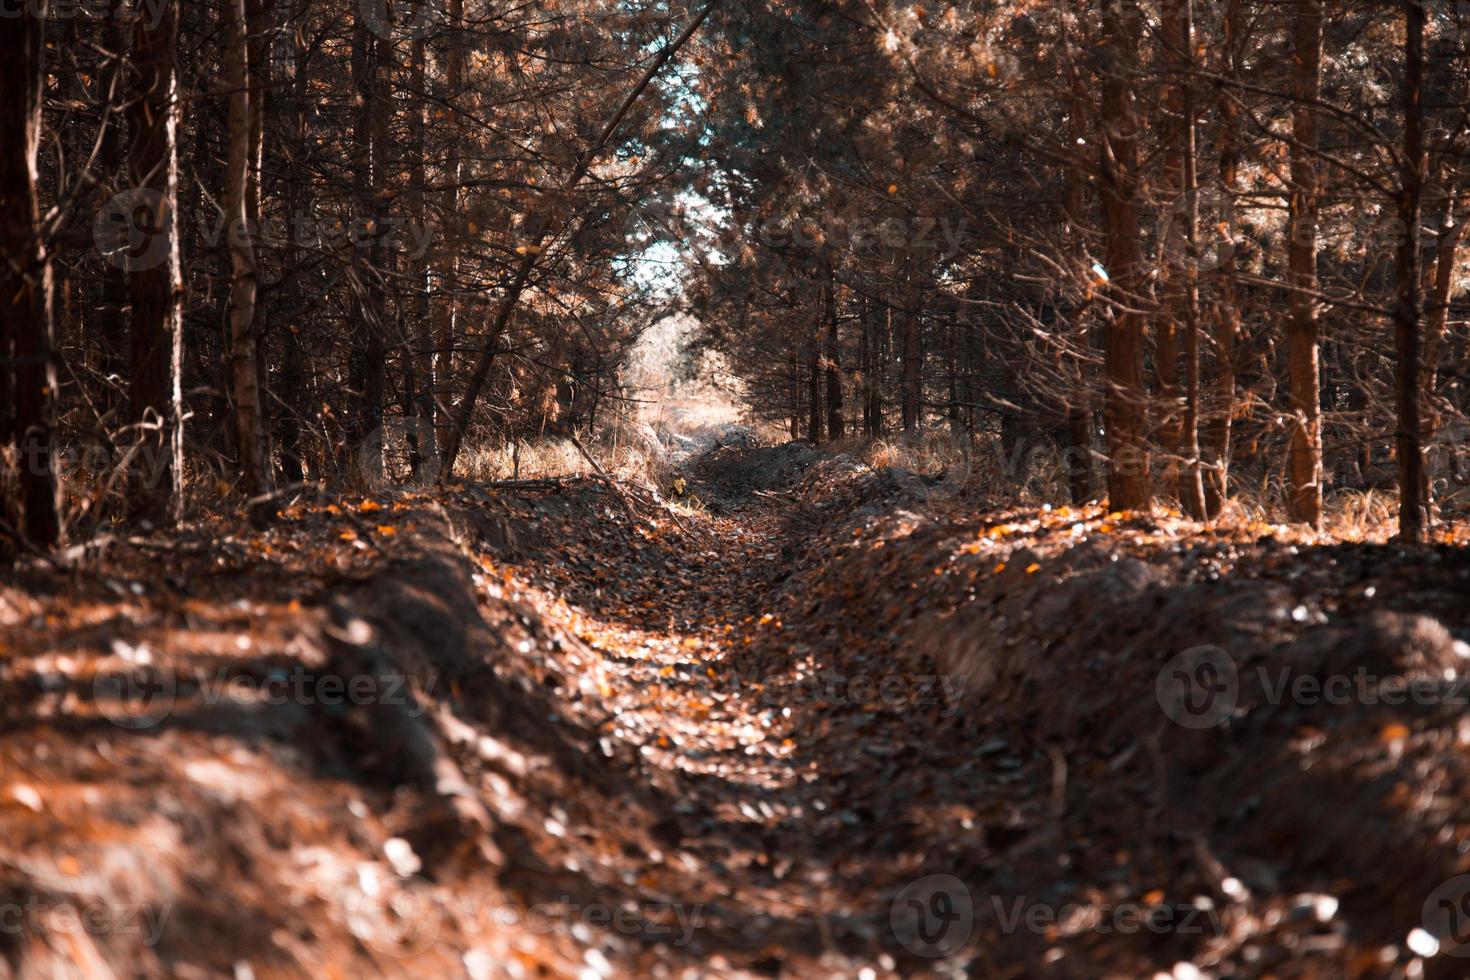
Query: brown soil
[{"x": 593, "y": 737}]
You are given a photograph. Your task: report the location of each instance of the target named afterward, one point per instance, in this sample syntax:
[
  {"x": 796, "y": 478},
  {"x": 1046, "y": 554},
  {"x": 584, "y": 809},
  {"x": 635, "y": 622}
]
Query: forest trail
[{"x": 824, "y": 721}]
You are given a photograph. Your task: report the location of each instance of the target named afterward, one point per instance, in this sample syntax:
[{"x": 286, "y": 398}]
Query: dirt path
[
  {"x": 783, "y": 798},
  {"x": 826, "y": 723}
]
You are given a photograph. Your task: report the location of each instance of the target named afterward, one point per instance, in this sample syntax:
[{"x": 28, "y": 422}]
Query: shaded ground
[{"x": 846, "y": 723}]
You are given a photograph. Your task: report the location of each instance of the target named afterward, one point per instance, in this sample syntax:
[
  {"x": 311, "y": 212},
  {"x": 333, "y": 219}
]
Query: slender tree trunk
[
  {"x": 1191, "y": 485},
  {"x": 366, "y": 368},
  {"x": 257, "y": 64},
  {"x": 1408, "y": 315},
  {"x": 814, "y": 388},
  {"x": 1171, "y": 311},
  {"x": 913, "y": 373},
  {"x": 834, "y": 361},
  {"x": 155, "y": 400},
  {"x": 876, "y": 347},
  {"x": 1218, "y": 431},
  {"x": 1303, "y": 357},
  {"x": 423, "y": 447},
  {"x": 1128, "y": 483},
  {"x": 244, "y": 355},
  {"x": 1437, "y": 305},
  {"x": 111, "y": 317},
  {"x": 448, "y": 249},
  {"x": 865, "y": 365},
  {"x": 952, "y": 375},
  {"x": 25, "y": 275},
  {"x": 1078, "y": 451},
  {"x": 293, "y": 384}
]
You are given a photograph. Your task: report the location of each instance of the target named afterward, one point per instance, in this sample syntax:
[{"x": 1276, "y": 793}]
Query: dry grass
[{"x": 625, "y": 455}]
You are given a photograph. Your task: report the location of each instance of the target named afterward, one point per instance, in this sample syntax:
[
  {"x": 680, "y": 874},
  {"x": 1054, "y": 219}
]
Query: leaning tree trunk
[
  {"x": 1128, "y": 483},
  {"x": 244, "y": 354},
  {"x": 1304, "y": 471},
  {"x": 1408, "y": 315},
  {"x": 155, "y": 399}
]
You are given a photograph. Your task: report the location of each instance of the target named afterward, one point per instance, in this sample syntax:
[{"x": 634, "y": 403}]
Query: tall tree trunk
[
  {"x": 1078, "y": 450},
  {"x": 1436, "y": 310},
  {"x": 155, "y": 400},
  {"x": 257, "y": 25},
  {"x": 1191, "y": 480},
  {"x": 877, "y": 354},
  {"x": 423, "y": 449},
  {"x": 111, "y": 316},
  {"x": 244, "y": 355},
  {"x": 1218, "y": 429},
  {"x": 293, "y": 382},
  {"x": 447, "y": 272},
  {"x": 1128, "y": 483},
  {"x": 865, "y": 365},
  {"x": 1304, "y": 471},
  {"x": 814, "y": 387},
  {"x": 952, "y": 375},
  {"x": 1408, "y": 315},
  {"x": 833, "y": 359},
  {"x": 366, "y": 369},
  {"x": 913, "y": 372},
  {"x": 25, "y": 275}
]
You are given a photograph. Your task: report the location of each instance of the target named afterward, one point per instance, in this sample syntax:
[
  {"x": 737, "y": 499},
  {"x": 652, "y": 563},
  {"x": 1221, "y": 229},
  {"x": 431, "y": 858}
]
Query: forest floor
[{"x": 828, "y": 721}]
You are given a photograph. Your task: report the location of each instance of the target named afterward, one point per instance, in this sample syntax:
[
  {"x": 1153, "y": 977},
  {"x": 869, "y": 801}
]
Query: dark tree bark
[
  {"x": 419, "y": 359},
  {"x": 833, "y": 360},
  {"x": 1304, "y": 471},
  {"x": 1128, "y": 482},
  {"x": 1219, "y": 426},
  {"x": 913, "y": 372},
  {"x": 814, "y": 430},
  {"x": 25, "y": 276},
  {"x": 447, "y": 264},
  {"x": 244, "y": 343},
  {"x": 366, "y": 369},
  {"x": 155, "y": 402},
  {"x": 1408, "y": 313}
]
